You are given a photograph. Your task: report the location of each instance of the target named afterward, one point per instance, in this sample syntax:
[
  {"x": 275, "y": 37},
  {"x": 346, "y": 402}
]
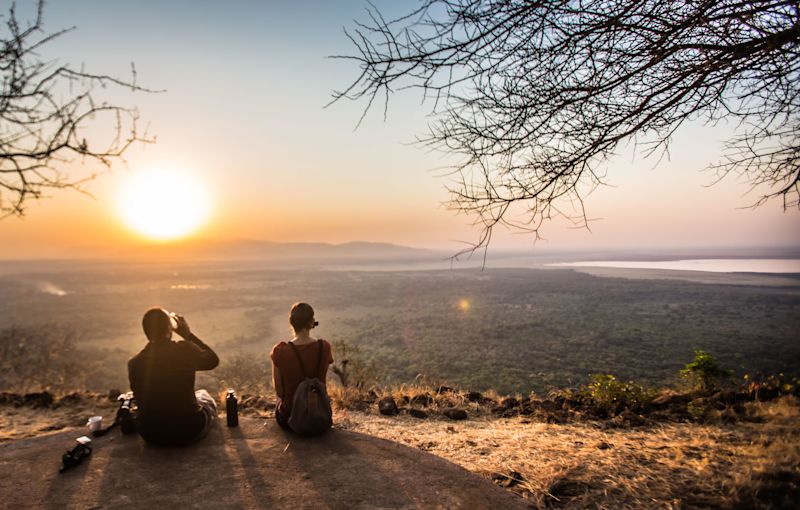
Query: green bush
[
  {"x": 704, "y": 372},
  {"x": 610, "y": 394}
]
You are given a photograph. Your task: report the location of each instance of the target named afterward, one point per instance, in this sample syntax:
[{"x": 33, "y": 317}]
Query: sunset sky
[{"x": 243, "y": 116}]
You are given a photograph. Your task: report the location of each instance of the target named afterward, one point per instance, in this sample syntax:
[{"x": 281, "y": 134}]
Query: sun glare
[{"x": 163, "y": 204}]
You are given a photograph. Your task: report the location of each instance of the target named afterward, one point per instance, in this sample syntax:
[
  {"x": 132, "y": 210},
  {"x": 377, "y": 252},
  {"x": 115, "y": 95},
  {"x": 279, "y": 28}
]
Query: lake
[{"x": 781, "y": 266}]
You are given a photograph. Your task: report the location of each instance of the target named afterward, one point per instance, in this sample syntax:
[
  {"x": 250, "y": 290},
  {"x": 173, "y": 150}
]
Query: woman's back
[{"x": 315, "y": 356}]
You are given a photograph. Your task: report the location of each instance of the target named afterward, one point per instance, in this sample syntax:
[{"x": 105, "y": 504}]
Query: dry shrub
[
  {"x": 45, "y": 358},
  {"x": 246, "y": 373}
]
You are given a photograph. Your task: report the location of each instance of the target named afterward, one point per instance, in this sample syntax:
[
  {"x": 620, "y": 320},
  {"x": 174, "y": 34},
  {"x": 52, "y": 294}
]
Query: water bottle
[{"x": 232, "y": 409}]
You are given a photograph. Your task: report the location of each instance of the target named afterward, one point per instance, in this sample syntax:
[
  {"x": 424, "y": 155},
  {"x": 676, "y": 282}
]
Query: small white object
[
  {"x": 94, "y": 423},
  {"x": 84, "y": 440}
]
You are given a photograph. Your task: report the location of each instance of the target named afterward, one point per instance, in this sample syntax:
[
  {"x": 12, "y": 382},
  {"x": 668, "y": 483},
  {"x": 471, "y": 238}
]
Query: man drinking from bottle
[{"x": 171, "y": 412}]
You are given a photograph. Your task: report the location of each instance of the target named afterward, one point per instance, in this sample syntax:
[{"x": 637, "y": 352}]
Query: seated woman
[{"x": 287, "y": 370}]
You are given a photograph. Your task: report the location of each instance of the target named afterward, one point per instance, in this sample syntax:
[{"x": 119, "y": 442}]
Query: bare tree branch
[
  {"x": 45, "y": 110},
  {"x": 537, "y": 95}
]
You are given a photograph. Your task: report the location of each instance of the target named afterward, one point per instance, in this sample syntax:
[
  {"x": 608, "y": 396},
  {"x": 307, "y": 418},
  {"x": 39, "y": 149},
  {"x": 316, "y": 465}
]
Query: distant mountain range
[{"x": 266, "y": 250}]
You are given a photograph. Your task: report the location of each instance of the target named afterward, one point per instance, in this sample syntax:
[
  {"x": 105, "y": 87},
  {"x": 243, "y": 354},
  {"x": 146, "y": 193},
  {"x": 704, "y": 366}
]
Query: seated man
[{"x": 171, "y": 413}]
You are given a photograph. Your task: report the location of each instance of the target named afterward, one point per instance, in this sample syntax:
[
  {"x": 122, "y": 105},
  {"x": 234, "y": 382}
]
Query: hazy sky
[{"x": 243, "y": 113}]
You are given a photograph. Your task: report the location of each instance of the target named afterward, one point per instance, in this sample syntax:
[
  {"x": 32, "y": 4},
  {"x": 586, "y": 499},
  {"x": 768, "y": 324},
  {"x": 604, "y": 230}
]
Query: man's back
[{"x": 162, "y": 378}]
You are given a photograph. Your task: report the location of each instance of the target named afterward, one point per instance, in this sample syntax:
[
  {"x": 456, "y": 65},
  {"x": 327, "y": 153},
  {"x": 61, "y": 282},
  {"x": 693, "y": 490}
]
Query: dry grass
[
  {"x": 582, "y": 465},
  {"x": 750, "y": 463},
  {"x": 72, "y": 409}
]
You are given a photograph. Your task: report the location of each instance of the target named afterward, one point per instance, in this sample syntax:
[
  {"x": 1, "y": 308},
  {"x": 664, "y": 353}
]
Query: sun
[{"x": 163, "y": 204}]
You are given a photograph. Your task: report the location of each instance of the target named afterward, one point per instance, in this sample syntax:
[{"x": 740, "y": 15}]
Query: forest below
[{"x": 510, "y": 330}]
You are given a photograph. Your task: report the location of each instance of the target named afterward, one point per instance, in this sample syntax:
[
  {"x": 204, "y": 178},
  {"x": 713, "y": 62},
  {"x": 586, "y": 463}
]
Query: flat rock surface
[{"x": 250, "y": 466}]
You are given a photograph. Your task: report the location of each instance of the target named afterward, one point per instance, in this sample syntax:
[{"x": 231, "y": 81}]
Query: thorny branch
[{"x": 535, "y": 95}]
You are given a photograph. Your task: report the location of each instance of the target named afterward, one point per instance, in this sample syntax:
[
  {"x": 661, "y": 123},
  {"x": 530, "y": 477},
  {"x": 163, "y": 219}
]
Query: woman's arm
[{"x": 277, "y": 380}]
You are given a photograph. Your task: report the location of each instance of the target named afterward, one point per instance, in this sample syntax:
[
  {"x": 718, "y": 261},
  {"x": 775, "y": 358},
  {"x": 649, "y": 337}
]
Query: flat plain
[{"x": 511, "y": 330}]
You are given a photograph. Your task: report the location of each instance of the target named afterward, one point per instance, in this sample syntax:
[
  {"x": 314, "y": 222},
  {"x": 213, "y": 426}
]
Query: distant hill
[{"x": 246, "y": 250}]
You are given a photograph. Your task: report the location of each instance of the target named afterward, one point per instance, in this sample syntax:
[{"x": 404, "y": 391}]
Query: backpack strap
[{"x": 299, "y": 359}]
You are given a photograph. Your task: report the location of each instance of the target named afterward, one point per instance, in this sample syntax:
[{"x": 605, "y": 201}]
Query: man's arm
[
  {"x": 131, "y": 375},
  {"x": 199, "y": 355},
  {"x": 203, "y": 356}
]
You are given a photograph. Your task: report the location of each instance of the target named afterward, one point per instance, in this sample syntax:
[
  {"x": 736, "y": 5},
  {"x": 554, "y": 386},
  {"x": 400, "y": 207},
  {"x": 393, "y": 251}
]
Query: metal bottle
[{"x": 232, "y": 409}]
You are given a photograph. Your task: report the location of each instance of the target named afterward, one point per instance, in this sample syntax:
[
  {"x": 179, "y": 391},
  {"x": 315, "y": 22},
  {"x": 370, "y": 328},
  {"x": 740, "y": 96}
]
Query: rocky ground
[{"x": 723, "y": 449}]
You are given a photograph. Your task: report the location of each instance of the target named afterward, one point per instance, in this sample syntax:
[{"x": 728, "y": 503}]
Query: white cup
[{"x": 95, "y": 423}]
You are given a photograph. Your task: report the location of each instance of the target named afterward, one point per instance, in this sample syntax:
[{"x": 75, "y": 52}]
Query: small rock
[
  {"x": 418, "y": 413},
  {"x": 387, "y": 406},
  {"x": 602, "y": 445},
  {"x": 509, "y": 402},
  {"x": 455, "y": 413},
  {"x": 39, "y": 399},
  {"x": 11, "y": 398},
  {"x": 474, "y": 396},
  {"x": 113, "y": 393}
]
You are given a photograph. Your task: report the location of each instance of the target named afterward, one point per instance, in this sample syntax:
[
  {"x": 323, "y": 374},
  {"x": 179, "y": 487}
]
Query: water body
[{"x": 770, "y": 266}]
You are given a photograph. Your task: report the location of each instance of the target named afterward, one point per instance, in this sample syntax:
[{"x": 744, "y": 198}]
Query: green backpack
[{"x": 311, "y": 406}]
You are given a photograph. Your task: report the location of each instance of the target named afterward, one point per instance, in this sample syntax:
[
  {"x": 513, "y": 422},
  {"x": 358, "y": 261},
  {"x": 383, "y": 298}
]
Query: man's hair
[
  {"x": 155, "y": 323},
  {"x": 301, "y": 316}
]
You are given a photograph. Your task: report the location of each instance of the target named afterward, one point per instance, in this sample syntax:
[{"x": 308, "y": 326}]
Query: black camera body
[
  {"x": 75, "y": 456},
  {"x": 126, "y": 414}
]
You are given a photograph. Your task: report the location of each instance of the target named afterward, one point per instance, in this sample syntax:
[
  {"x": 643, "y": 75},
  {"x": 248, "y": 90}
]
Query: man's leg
[{"x": 209, "y": 406}]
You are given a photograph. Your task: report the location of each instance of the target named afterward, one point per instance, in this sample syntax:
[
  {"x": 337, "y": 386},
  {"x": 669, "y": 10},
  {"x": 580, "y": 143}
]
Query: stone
[
  {"x": 509, "y": 402},
  {"x": 418, "y": 413},
  {"x": 11, "y": 398},
  {"x": 387, "y": 406},
  {"x": 38, "y": 399},
  {"x": 455, "y": 413},
  {"x": 474, "y": 396}
]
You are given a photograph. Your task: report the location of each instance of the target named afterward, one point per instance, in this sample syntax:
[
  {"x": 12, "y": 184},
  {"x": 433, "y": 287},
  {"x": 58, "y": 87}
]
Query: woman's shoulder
[{"x": 277, "y": 348}]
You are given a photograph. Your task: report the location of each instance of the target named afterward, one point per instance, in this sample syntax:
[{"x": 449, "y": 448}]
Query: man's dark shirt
[{"x": 162, "y": 379}]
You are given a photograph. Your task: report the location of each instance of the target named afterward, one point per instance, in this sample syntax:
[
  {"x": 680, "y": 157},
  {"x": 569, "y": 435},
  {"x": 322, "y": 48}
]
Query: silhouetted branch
[
  {"x": 44, "y": 110},
  {"x": 536, "y": 96}
]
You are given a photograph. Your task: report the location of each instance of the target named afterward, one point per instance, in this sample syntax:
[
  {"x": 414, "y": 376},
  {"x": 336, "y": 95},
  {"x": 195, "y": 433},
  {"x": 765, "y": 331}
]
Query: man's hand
[{"x": 183, "y": 327}]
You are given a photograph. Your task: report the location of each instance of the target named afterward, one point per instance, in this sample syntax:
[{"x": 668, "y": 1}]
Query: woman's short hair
[{"x": 301, "y": 316}]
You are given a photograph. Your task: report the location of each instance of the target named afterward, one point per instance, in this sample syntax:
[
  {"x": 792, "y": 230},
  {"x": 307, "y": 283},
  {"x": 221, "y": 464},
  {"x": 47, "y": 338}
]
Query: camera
[
  {"x": 126, "y": 414},
  {"x": 315, "y": 324},
  {"x": 75, "y": 456}
]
